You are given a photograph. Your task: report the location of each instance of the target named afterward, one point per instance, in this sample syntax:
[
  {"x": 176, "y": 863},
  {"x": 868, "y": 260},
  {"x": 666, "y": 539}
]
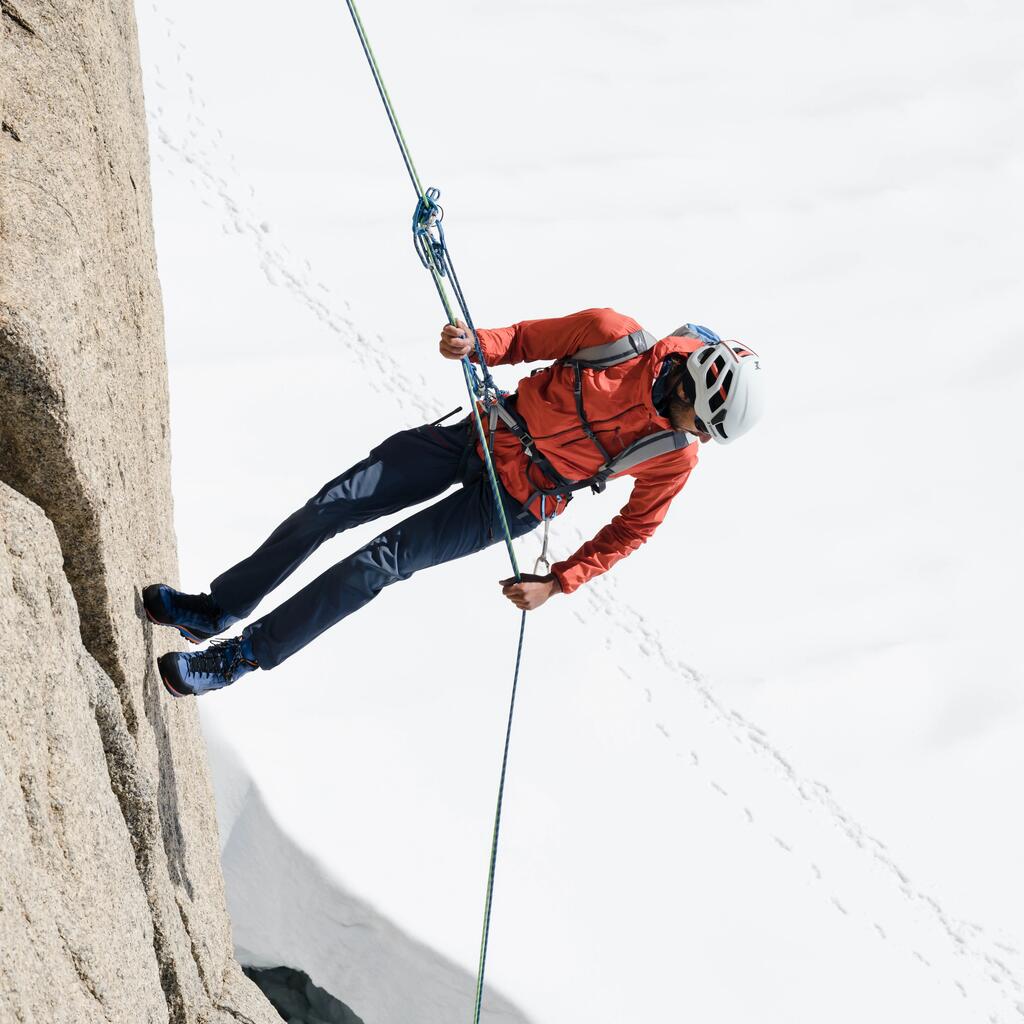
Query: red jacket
[{"x": 618, "y": 405}]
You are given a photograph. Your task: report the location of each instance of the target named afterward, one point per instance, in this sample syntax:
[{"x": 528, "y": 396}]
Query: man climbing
[{"x": 613, "y": 401}]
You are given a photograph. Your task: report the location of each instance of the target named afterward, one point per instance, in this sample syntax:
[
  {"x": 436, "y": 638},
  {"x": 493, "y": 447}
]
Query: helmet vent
[
  {"x": 713, "y": 370},
  {"x": 721, "y": 393}
]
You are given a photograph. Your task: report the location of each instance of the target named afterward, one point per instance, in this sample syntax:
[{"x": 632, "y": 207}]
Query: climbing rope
[{"x": 429, "y": 240}]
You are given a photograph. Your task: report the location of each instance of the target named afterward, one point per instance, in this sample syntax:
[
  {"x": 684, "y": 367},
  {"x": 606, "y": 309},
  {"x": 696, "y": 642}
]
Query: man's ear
[{"x": 679, "y": 392}]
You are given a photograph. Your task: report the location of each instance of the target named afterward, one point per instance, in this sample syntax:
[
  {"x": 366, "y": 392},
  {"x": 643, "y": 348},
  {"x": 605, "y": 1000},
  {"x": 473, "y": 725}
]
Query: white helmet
[{"x": 729, "y": 389}]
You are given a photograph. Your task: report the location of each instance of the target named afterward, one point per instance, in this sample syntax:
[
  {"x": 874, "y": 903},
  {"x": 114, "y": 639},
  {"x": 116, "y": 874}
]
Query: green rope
[
  {"x": 437, "y": 274},
  {"x": 478, "y": 1002},
  {"x": 382, "y": 89}
]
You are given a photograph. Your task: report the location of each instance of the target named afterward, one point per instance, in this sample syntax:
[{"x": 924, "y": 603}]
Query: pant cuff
[{"x": 255, "y": 637}]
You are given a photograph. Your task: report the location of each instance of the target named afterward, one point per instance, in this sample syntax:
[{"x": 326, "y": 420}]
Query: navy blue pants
[{"x": 410, "y": 467}]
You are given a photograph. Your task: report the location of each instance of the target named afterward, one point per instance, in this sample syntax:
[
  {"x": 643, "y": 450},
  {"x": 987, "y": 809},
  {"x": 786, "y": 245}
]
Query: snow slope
[
  {"x": 286, "y": 909},
  {"x": 835, "y": 599}
]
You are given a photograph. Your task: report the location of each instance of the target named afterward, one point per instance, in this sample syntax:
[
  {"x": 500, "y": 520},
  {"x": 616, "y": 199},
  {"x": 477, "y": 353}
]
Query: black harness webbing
[{"x": 650, "y": 446}]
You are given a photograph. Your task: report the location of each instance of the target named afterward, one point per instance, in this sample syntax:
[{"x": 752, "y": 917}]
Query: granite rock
[{"x": 113, "y": 899}]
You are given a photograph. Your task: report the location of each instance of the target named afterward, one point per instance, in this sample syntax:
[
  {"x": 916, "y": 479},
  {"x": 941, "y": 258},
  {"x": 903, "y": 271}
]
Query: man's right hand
[{"x": 456, "y": 340}]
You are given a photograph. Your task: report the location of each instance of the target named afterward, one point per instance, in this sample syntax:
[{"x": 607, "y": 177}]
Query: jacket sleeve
[
  {"x": 654, "y": 487},
  {"x": 532, "y": 341}
]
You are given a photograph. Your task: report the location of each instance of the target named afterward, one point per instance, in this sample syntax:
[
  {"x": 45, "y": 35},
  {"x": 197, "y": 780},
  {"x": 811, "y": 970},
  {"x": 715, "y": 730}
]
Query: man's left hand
[{"x": 530, "y": 591}]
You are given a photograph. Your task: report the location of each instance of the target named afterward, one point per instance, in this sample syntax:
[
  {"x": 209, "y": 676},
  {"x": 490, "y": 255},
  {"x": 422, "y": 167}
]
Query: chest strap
[
  {"x": 601, "y": 357},
  {"x": 650, "y": 446}
]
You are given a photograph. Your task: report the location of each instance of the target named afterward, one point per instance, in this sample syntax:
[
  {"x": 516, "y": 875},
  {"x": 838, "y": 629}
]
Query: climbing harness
[
  {"x": 429, "y": 241},
  {"x": 596, "y": 358}
]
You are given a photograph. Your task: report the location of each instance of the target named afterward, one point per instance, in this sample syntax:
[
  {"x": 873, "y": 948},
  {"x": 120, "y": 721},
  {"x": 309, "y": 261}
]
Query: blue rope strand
[{"x": 489, "y": 462}]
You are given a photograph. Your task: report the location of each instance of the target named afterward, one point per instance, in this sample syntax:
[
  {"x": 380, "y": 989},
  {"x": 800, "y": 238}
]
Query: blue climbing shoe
[
  {"x": 195, "y": 616},
  {"x": 222, "y": 663}
]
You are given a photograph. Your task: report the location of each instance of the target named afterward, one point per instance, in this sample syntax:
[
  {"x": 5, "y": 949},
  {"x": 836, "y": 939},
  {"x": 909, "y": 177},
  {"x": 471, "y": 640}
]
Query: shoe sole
[
  {"x": 171, "y": 690},
  {"x": 169, "y": 687},
  {"x": 190, "y": 637}
]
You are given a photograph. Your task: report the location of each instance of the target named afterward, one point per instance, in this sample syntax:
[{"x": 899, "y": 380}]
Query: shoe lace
[
  {"x": 222, "y": 657},
  {"x": 201, "y": 603}
]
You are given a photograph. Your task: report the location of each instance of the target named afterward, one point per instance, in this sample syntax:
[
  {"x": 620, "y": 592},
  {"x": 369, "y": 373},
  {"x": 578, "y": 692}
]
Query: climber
[{"x": 576, "y": 423}]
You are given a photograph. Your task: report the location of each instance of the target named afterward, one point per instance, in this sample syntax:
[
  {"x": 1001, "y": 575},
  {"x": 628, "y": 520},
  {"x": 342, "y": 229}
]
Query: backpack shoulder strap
[
  {"x": 600, "y": 357},
  {"x": 648, "y": 447}
]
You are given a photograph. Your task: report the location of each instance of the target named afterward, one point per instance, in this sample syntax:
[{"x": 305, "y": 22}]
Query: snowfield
[
  {"x": 769, "y": 768},
  {"x": 287, "y": 909}
]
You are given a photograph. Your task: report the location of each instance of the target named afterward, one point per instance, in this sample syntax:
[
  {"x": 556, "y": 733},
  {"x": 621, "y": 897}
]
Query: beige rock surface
[
  {"x": 97, "y": 765},
  {"x": 76, "y": 934}
]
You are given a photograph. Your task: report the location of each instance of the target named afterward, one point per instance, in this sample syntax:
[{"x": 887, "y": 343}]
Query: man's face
[{"x": 685, "y": 417}]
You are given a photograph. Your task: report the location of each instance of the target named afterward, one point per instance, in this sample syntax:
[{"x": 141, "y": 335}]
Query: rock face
[{"x": 111, "y": 895}]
